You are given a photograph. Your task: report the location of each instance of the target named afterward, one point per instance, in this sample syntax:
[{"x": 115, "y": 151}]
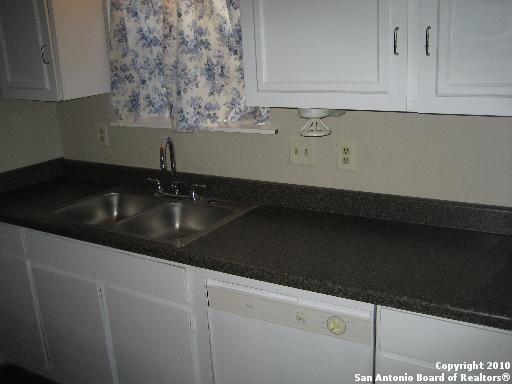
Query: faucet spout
[{"x": 167, "y": 142}]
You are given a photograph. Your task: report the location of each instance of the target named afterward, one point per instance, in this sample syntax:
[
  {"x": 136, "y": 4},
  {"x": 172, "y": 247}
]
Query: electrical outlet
[
  {"x": 102, "y": 134},
  {"x": 301, "y": 151},
  {"x": 346, "y": 155}
]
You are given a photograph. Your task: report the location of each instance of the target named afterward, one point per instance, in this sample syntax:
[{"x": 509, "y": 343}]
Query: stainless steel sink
[
  {"x": 106, "y": 209},
  {"x": 168, "y": 220},
  {"x": 177, "y": 223}
]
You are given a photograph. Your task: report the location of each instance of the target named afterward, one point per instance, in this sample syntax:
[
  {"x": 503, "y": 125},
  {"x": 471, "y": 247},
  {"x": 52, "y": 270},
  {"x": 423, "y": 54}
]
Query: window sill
[
  {"x": 166, "y": 123},
  {"x": 251, "y": 130},
  {"x": 146, "y": 122}
]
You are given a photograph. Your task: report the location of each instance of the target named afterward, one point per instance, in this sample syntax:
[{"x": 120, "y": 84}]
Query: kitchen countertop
[{"x": 451, "y": 273}]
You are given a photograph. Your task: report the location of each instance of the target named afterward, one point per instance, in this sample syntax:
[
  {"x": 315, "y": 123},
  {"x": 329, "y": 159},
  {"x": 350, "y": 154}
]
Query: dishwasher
[{"x": 263, "y": 337}]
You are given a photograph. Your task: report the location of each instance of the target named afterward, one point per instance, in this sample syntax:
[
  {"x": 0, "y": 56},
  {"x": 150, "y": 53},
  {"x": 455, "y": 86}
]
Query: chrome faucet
[
  {"x": 174, "y": 184},
  {"x": 167, "y": 142}
]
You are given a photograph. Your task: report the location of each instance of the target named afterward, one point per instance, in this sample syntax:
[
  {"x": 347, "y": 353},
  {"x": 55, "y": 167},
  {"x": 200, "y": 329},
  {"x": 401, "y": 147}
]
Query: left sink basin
[{"x": 106, "y": 209}]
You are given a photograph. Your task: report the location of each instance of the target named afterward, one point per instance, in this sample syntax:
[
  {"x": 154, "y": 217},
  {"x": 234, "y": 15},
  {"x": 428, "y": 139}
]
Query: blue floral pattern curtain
[{"x": 180, "y": 59}]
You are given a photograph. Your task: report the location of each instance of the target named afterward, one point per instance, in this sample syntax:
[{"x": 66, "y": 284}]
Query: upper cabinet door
[
  {"x": 53, "y": 49},
  {"x": 465, "y": 57},
  {"x": 26, "y": 61},
  {"x": 335, "y": 54}
]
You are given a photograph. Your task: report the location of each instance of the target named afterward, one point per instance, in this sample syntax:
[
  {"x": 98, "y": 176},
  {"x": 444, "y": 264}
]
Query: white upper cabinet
[
  {"x": 465, "y": 57},
  {"x": 333, "y": 54},
  {"x": 53, "y": 50},
  {"x": 431, "y": 56},
  {"x": 26, "y": 54}
]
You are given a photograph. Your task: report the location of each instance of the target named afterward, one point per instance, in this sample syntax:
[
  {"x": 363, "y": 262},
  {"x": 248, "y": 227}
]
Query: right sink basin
[{"x": 177, "y": 223}]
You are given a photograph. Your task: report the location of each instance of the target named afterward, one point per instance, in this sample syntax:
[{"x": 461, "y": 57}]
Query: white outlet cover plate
[
  {"x": 102, "y": 134},
  {"x": 302, "y": 151},
  {"x": 346, "y": 161}
]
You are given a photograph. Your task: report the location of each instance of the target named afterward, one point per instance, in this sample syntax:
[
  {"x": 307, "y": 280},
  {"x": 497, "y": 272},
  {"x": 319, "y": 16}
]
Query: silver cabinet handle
[
  {"x": 427, "y": 40},
  {"x": 43, "y": 54},
  {"x": 395, "y": 41}
]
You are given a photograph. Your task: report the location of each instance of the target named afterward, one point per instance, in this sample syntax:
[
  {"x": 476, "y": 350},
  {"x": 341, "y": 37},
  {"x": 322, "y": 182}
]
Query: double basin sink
[{"x": 173, "y": 221}]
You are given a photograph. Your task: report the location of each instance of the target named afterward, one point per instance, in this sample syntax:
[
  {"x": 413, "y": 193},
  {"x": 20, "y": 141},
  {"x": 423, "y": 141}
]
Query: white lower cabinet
[
  {"x": 111, "y": 317},
  {"x": 152, "y": 339},
  {"x": 415, "y": 345},
  {"x": 74, "y": 328},
  {"x": 20, "y": 334}
]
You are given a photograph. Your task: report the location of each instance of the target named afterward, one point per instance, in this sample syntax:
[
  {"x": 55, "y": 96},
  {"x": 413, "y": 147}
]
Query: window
[{"x": 181, "y": 61}]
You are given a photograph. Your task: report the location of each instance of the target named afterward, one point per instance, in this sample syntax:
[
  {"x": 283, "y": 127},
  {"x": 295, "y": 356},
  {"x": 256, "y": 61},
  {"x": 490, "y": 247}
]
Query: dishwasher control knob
[{"x": 336, "y": 325}]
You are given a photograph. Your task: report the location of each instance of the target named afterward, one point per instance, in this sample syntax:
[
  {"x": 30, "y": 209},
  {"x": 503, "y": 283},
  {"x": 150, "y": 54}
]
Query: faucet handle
[
  {"x": 193, "y": 193},
  {"x": 159, "y": 188}
]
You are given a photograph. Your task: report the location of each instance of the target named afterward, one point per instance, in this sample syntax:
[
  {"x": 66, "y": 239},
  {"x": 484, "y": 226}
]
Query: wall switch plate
[
  {"x": 301, "y": 151},
  {"x": 346, "y": 159},
  {"x": 102, "y": 134}
]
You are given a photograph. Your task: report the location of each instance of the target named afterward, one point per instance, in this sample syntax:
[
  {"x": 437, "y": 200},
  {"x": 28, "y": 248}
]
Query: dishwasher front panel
[{"x": 258, "y": 337}]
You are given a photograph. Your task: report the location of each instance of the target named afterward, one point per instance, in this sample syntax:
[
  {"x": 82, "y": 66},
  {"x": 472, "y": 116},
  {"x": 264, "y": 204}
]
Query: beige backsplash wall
[
  {"x": 460, "y": 158},
  {"x": 29, "y": 133}
]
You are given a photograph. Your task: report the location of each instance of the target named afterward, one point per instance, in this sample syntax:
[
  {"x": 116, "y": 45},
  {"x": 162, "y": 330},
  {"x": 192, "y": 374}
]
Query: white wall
[
  {"x": 29, "y": 133},
  {"x": 460, "y": 158}
]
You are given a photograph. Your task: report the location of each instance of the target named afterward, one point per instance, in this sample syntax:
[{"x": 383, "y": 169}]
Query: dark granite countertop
[{"x": 457, "y": 274}]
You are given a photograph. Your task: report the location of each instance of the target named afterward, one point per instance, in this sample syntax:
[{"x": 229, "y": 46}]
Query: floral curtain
[{"x": 180, "y": 59}]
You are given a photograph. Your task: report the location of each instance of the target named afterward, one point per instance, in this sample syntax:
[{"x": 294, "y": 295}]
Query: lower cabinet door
[
  {"x": 152, "y": 339},
  {"x": 74, "y": 328},
  {"x": 20, "y": 334},
  {"x": 419, "y": 348}
]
